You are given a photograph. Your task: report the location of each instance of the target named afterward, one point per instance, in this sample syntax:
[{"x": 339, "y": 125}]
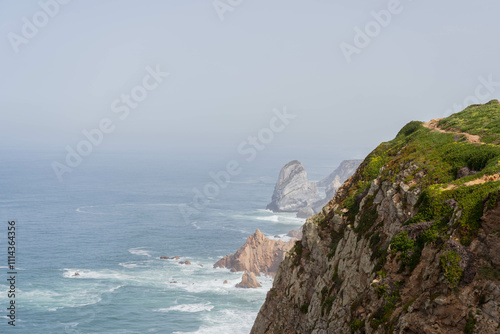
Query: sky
[{"x": 233, "y": 65}]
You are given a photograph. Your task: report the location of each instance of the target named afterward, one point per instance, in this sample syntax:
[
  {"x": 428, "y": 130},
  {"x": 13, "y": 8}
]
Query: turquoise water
[{"x": 110, "y": 221}]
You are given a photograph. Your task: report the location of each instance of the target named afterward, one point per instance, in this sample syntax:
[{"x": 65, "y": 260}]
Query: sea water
[{"x": 110, "y": 220}]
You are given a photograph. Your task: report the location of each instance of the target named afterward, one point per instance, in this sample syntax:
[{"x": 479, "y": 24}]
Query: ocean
[{"x": 110, "y": 220}]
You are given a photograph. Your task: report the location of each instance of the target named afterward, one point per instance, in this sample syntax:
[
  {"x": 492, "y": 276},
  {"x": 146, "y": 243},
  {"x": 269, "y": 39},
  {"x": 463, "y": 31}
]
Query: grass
[
  {"x": 451, "y": 270},
  {"x": 439, "y": 156},
  {"x": 482, "y": 120}
]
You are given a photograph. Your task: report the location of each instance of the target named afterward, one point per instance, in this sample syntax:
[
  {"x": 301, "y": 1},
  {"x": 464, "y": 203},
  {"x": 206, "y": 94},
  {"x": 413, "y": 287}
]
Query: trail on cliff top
[{"x": 433, "y": 124}]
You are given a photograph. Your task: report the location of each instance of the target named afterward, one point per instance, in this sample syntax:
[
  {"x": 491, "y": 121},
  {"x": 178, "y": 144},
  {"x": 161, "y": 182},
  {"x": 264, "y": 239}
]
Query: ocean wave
[
  {"x": 226, "y": 321},
  {"x": 269, "y": 218},
  {"x": 190, "y": 308},
  {"x": 85, "y": 273},
  {"x": 139, "y": 251},
  {"x": 131, "y": 265},
  {"x": 282, "y": 237},
  {"x": 53, "y": 300}
]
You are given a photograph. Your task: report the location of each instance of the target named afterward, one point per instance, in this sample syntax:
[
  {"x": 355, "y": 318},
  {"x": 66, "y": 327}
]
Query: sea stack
[
  {"x": 293, "y": 190},
  {"x": 258, "y": 255}
]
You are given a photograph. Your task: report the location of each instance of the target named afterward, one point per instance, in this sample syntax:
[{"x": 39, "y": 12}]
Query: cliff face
[
  {"x": 258, "y": 254},
  {"x": 293, "y": 190},
  {"x": 407, "y": 245}
]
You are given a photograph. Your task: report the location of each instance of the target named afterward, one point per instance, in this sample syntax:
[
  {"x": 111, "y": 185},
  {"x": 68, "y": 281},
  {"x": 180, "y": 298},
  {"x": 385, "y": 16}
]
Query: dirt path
[
  {"x": 433, "y": 125},
  {"x": 481, "y": 180}
]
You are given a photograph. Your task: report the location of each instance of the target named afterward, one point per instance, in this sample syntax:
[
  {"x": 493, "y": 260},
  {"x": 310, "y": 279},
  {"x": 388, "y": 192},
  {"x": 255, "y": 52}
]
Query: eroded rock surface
[
  {"x": 293, "y": 190},
  {"x": 258, "y": 255}
]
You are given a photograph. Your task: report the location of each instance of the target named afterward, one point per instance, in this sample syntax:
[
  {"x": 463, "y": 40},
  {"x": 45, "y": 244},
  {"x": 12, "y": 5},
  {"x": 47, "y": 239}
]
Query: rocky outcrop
[
  {"x": 258, "y": 255},
  {"x": 398, "y": 250},
  {"x": 293, "y": 190},
  {"x": 248, "y": 281}
]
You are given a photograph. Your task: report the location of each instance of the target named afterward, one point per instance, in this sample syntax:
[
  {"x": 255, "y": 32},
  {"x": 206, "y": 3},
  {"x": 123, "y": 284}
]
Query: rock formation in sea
[
  {"x": 409, "y": 244},
  {"x": 258, "y": 255},
  {"x": 293, "y": 190},
  {"x": 333, "y": 181},
  {"x": 248, "y": 281}
]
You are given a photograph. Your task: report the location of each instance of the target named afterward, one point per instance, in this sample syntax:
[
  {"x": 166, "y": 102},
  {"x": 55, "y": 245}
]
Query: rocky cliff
[
  {"x": 408, "y": 244},
  {"x": 293, "y": 190},
  {"x": 258, "y": 255}
]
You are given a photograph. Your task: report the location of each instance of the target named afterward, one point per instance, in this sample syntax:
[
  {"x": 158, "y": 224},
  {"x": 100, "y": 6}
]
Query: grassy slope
[{"x": 440, "y": 156}]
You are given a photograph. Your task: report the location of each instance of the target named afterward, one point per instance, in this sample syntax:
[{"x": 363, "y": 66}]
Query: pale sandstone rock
[
  {"x": 258, "y": 254},
  {"x": 248, "y": 281}
]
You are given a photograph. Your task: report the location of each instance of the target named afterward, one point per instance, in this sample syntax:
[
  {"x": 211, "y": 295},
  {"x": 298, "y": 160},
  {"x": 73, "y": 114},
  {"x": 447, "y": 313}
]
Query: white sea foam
[
  {"x": 115, "y": 288},
  {"x": 104, "y": 274},
  {"x": 190, "y": 308},
  {"x": 226, "y": 321},
  {"x": 282, "y": 237},
  {"x": 269, "y": 218},
  {"x": 53, "y": 300},
  {"x": 139, "y": 251},
  {"x": 131, "y": 265}
]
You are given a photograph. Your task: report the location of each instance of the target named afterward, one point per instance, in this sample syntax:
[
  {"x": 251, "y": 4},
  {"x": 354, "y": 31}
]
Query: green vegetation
[
  {"x": 368, "y": 217},
  {"x": 336, "y": 237},
  {"x": 451, "y": 270},
  {"x": 409, "y": 248},
  {"x": 408, "y": 304},
  {"x": 438, "y": 157},
  {"x": 328, "y": 295},
  {"x": 469, "y": 325},
  {"x": 383, "y": 315},
  {"x": 304, "y": 308},
  {"x": 481, "y": 120},
  {"x": 356, "y": 325}
]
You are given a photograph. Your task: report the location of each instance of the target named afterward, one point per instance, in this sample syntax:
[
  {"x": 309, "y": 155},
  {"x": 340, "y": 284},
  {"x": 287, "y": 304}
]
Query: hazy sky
[{"x": 226, "y": 76}]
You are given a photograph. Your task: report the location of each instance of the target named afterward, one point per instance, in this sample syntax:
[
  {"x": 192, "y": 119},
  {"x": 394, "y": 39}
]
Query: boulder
[
  {"x": 185, "y": 262},
  {"x": 248, "y": 281},
  {"x": 258, "y": 254},
  {"x": 465, "y": 171}
]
